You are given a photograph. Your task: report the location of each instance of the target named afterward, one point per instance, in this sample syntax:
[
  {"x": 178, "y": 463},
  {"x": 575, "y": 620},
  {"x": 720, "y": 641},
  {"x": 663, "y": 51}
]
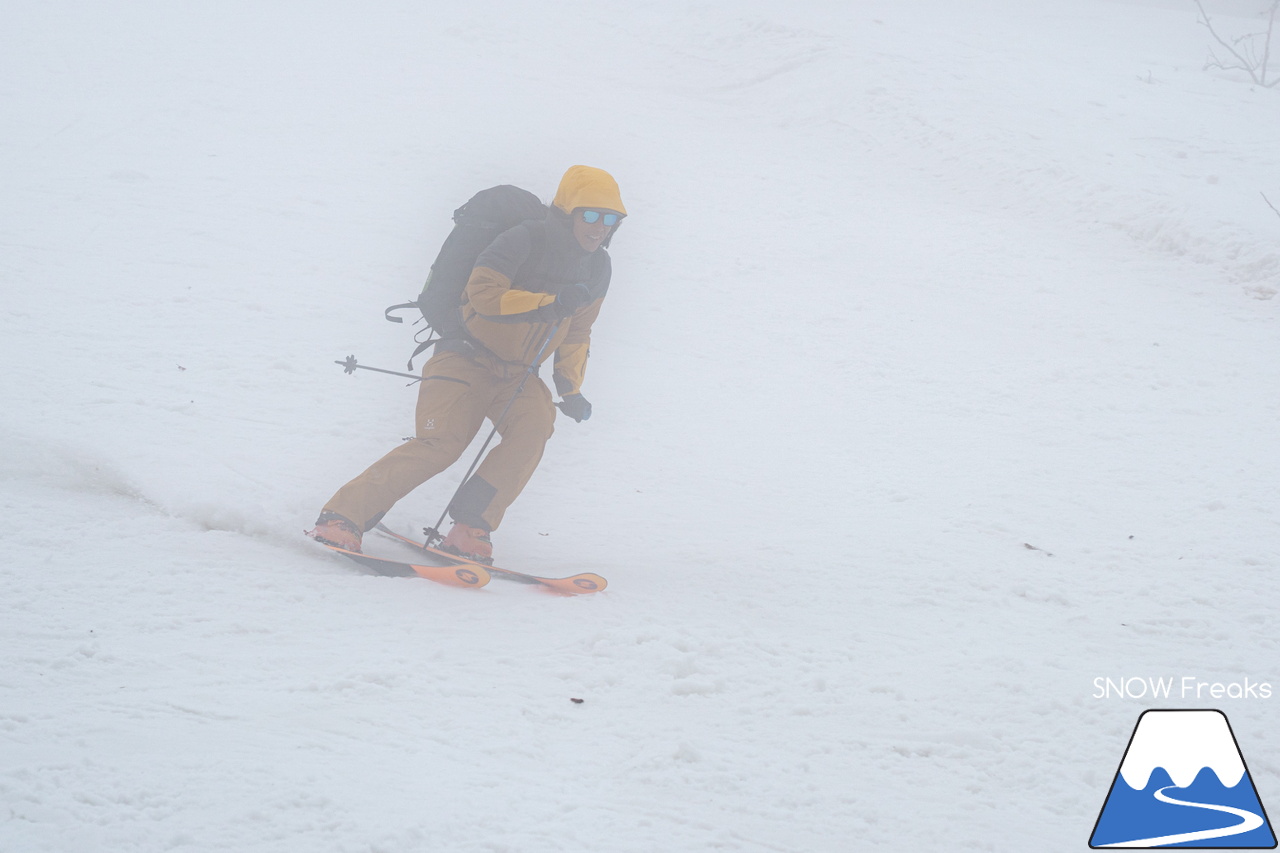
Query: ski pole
[
  {"x": 350, "y": 366},
  {"x": 433, "y": 533}
]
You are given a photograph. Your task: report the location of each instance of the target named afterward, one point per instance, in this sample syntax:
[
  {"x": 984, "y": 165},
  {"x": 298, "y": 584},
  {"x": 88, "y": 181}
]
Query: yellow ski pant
[{"x": 456, "y": 395}]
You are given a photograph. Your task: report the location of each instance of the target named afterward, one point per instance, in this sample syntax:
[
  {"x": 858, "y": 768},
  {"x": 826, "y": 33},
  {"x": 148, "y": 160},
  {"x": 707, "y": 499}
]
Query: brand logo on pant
[{"x": 429, "y": 423}]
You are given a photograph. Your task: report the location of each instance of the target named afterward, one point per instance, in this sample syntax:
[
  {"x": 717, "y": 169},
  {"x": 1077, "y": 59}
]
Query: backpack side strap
[{"x": 401, "y": 307}]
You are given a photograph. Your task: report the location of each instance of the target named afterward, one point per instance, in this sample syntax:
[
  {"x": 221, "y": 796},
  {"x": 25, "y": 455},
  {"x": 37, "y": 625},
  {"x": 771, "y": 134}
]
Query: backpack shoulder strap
[
  {"x": 601, "y": 273},
  {"x": 537, "y": 244}
]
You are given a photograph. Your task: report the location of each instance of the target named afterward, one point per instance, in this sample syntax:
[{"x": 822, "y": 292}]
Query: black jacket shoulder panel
[{"x": 508, "y": 252}]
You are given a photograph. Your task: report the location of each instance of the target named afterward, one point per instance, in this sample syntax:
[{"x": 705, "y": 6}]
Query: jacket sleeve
[
  {"x": 572, "y": 354},
  {"x": 489, "y": 290}
]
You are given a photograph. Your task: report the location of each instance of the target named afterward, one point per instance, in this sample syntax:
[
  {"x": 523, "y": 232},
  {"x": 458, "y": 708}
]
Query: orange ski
[
  {"x": 458, "y": 574},
  {"x": 579, "y": 584}
]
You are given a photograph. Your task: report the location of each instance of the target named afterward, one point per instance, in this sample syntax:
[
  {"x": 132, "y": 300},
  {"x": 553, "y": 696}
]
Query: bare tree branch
[
  {"x": 1269, "y": 204},
  {"x": 1266, "y": 48},
  {"x": 1245, "y": 49}
]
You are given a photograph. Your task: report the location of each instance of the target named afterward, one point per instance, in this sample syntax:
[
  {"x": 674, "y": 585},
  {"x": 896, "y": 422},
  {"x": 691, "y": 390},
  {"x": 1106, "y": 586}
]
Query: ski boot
[
  {"x": 470, "y": 543},
  {"x": 333, "y": 529}
]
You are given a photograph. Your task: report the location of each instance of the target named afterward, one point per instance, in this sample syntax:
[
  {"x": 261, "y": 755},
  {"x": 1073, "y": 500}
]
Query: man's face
[{"x": 591, "y": 234}]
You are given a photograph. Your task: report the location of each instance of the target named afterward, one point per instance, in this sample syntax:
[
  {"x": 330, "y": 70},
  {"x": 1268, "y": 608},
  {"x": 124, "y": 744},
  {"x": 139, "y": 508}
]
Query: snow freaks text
[{"x": 1184, "y": 687}]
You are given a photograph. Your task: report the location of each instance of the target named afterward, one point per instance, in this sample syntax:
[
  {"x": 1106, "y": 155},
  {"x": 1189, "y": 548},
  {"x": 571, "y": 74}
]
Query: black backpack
[{"x": 476, "y": 224}]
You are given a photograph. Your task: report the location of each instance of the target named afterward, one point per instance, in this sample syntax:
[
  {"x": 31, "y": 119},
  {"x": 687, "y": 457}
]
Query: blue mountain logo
[{"x": 1183, "y": 783}]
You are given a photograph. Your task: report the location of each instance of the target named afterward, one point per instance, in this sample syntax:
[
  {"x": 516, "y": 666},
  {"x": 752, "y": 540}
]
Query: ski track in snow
[{"x": 937, "y": 379}]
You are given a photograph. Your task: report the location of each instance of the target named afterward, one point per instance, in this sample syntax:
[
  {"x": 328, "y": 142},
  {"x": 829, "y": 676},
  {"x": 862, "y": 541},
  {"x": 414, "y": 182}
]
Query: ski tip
[
  {"x": 583, "y": 584},
  {"x": 589, "y": 582}
]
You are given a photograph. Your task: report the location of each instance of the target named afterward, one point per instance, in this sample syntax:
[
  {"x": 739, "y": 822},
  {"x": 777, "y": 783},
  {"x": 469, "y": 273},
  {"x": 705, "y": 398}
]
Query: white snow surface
[{"x": 939, "y": 377}]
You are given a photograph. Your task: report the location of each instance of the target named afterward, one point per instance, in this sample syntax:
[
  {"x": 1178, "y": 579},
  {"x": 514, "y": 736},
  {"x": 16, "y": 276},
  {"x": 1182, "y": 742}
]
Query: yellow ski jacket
[{"x": 526, "y": 266}]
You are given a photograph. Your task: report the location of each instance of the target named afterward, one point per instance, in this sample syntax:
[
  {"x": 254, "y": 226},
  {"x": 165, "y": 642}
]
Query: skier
[{"x": 536, "y": 290}]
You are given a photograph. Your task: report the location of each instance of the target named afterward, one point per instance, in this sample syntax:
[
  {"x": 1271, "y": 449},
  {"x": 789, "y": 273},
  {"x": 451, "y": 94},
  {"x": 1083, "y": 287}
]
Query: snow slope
[{"x": 938, "y": 378}]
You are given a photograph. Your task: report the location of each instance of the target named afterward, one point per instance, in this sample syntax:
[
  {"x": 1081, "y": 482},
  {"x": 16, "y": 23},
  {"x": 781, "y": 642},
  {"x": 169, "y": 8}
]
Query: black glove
[
  {"x": 575, "y": 406},
  {"x": 570, "y": 298}
]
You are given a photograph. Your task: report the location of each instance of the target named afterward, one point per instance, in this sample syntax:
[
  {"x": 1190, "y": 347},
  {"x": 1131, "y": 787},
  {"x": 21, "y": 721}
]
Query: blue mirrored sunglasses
[{"x": 591, "y": 216}]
